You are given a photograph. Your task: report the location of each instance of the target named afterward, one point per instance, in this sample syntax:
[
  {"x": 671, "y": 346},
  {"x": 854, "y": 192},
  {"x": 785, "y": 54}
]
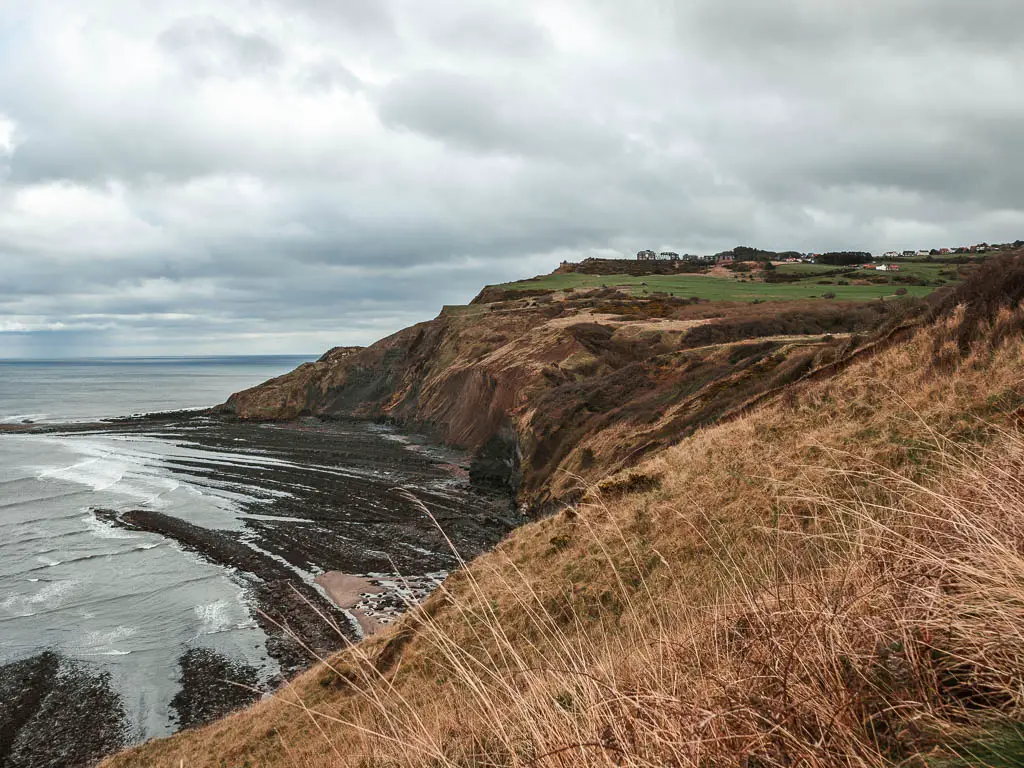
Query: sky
[{"x": 282, "y": 176}]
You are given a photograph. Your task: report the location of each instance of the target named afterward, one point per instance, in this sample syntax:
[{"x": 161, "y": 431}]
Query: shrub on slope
[{"x": 996, "y": 285}]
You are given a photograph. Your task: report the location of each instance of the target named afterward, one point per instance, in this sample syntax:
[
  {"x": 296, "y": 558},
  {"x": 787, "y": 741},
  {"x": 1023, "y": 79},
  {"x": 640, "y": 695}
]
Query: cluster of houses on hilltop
[
  {"x": 725, "y": 257},
  {"x": 913, "y": 254},
  {"x": 979, "y": 248},
  {"x": 719, "y": 258},
  {"x": 795, "y": 257}
]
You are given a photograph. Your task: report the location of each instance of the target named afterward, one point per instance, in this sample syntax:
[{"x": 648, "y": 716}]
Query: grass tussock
[
  {"x": 834, "y": 580},
  {"x": 882, "y": 636}
]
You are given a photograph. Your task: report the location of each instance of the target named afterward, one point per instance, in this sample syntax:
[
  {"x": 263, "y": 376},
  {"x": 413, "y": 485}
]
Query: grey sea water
[{"x": 126, "y": 602}]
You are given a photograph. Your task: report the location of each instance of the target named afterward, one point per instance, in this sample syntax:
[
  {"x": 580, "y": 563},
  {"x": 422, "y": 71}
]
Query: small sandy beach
[{"x": 347, "y": 591}]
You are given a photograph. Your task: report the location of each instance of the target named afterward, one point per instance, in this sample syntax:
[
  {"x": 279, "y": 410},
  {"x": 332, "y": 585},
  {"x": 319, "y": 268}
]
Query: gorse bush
[
  {"x": 994, "y": 285},
  {"x": 853, "y": 318}
]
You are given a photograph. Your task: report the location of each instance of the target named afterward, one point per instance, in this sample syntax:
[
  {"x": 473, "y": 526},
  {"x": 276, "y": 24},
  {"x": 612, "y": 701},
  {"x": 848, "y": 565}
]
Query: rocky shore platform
[
  {"x": 57, "y": 713},
  {"x": 337, "y": 527}
]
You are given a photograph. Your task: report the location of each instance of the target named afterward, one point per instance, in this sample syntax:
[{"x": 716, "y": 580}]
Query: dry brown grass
[{"x": 836, "y": 580}]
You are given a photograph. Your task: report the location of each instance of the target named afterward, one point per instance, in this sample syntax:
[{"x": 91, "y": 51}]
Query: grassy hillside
[
  {"x": 834, "y": 579},
  {"x": 809, "y": 281},
  {"x": 725, "y": 287}
]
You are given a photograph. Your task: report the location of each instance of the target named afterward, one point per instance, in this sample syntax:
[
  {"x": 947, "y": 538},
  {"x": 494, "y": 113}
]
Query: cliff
[
  {"x": 832, "y": 578},
  {"x": 553, "y": 389}
]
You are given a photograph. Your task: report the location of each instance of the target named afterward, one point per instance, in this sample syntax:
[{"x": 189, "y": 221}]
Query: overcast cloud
[{"x": 247, "y": 176}]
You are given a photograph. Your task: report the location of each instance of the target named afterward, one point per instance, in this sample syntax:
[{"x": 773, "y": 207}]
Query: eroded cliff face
[
  {"x": 460, "y": 375},
  {"x": 292, "y": 395},
  {"x": 555, "y": 390}
]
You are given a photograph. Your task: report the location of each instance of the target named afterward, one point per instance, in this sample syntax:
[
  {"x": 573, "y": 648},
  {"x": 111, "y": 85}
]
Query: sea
[{"x": 127, "y": 603}]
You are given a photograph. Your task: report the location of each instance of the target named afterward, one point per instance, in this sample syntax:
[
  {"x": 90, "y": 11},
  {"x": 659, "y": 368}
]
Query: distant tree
[
  {"x": 749, "y": 253},
  {"x": 844, "y": 258}
]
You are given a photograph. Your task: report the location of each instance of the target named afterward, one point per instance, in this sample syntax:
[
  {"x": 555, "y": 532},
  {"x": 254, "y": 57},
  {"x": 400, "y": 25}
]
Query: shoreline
[
  {"x": 296, "y": 619},
  {"x": 324, "y": 528},
  {"x": 348, "y": 591}
]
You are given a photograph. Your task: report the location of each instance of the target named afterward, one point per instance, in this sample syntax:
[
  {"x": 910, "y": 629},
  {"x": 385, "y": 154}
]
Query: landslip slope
[{"x": 835, "y": 578}]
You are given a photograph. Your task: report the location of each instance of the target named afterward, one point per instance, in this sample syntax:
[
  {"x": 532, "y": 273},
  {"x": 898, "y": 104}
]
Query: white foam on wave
[
  {"x": 48, "y": 562},
  {"x": 214, "y": 617},
  {"x": 52, "y": 595},
  {"x": 115, "y": 466},
  {"x": 96, "y": 473},
  {"x": 99, "y": 638},
  {"x": 100, "y": 642},
  {"x": 101, "y": 529},
  {"x": 18, "y": 418}
]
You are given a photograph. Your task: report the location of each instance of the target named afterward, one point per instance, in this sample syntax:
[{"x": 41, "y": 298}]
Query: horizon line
[{"x": 99, "y": 358}]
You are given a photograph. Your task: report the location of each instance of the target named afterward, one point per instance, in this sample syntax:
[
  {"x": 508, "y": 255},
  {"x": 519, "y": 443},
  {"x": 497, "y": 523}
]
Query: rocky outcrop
[
  {"x": 58, "y": 713},
  {"x": 452, "y": 375},
  {"x": 291, "y": 395},
  {"x": 212, "y": 686},
  {"x": 498, "y": 462}
]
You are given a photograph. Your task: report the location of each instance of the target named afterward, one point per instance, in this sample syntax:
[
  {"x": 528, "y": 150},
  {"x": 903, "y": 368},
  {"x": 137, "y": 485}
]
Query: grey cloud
[
  {"x": 475, "y": 114},
  {"x": 479, "y": 30},
  {"x": 345, "y": 16},
  {"x": 205, "y": 46},
  {"x": 326, "y": 75},
  {"x": 330, "y": 171},
  {"x": 870, "y": 25}
]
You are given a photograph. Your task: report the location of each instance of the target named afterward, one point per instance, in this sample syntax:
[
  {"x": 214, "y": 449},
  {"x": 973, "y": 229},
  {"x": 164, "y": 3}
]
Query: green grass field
[
  {"x": 925, "y": 270},
  {"x": 716, "y": 288},
  {"x": 805, "y": 269}
]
